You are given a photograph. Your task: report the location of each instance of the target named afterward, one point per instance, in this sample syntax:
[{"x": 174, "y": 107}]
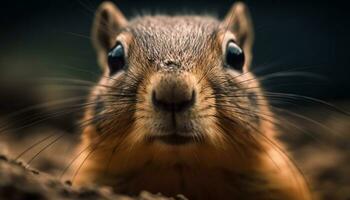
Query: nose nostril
[{"x": 174, "y": 105}]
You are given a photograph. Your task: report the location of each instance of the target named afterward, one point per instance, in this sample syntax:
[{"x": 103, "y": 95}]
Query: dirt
[{"x": 18, "y": 182}]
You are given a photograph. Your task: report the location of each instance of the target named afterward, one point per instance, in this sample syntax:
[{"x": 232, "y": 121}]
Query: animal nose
[
  {"x": 174, "y": 102},
  {"x": 173, "y": 92}
]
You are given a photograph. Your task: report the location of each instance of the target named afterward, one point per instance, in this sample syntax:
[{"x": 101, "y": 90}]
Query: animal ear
[
  {"x": 238, "y": 20},
  {"x": 108, "y": 21}
]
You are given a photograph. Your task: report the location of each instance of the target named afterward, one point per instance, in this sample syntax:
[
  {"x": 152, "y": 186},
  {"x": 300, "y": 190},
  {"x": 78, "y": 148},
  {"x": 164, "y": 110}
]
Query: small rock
[
  {"x": 68, "y": 182},
  {"x": 2, "y": 157},
  {"x": 180, "y": 197},
  {"x": 35, "y": 172}
]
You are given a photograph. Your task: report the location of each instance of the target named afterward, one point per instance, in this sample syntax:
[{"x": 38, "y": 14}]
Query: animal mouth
[{"x": 174, "y": 139}]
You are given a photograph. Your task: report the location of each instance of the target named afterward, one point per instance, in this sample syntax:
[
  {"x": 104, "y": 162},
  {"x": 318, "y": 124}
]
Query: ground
[{"x": 18, "y": 182}]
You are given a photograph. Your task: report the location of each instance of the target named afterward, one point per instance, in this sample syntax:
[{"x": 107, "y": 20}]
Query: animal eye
[
  {"x": 234, "y": 57},
  {"x": 116, "y": 59}
]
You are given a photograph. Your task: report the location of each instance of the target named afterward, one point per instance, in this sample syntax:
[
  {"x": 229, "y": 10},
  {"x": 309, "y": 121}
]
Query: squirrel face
[
  {"x": 177, "y": 110},
  {"x": 175, "y": 81}
]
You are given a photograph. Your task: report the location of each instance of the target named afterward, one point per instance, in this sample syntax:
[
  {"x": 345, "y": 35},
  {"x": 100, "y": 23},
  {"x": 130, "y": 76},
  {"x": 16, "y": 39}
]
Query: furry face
[
  {"x": 177, "y": 105},
  {"x": 180, "y": 84}
]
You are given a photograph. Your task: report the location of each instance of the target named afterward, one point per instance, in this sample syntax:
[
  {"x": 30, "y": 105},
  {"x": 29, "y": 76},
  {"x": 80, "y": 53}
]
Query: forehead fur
[{"x": 177, "y": 37}]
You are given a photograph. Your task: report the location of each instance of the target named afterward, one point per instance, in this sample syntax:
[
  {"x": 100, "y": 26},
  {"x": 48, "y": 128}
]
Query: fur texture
[{"x": 233, "y": 153}]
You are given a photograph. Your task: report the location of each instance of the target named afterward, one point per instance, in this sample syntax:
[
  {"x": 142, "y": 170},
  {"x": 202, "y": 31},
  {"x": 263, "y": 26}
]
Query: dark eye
[
  {"x": 116, "y": 59},
  {"x": 234, "y": 57}
]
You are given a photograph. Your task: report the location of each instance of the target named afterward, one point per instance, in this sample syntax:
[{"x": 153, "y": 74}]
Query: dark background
[
  {"x": 50, "y": 39},
  {"x": 43, "y": 40}
]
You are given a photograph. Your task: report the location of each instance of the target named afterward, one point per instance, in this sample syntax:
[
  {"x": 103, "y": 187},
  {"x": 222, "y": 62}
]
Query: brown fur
[{"x": 235, "y": 156}]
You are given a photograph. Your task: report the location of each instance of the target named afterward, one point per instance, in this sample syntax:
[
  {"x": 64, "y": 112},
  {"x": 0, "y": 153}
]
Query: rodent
[{"x": 177, "y": 111}]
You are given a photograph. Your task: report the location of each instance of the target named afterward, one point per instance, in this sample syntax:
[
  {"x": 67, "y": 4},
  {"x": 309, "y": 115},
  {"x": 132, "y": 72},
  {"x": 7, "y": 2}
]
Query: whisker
[
  {"x": 311, "y": 99},
  {"x": 44, "y": 148},
  {"x": 77, "y": 34},
  {"x": 277, "y": 75},
  {"x": 292, "y": 97},
  {"x": 34, "y": 145},
  {"x": 268, "y": 118},
  {"x": 42, "y": 105},
  {"x": 290, "y": 162}
]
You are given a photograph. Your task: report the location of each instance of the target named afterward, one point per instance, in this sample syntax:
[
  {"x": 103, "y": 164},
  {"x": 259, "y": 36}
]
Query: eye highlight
[
  {"x": 116, "y": 59},
  {"x": 234, "y": 56}
]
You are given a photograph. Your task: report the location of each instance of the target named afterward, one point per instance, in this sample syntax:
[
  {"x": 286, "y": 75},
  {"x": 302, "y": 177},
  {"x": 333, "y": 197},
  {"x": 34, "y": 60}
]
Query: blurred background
[{"x": 45, "y": 42}]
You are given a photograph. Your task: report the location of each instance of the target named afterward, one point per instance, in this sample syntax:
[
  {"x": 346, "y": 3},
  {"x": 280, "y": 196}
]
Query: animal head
[{"x": 176, "y": 81}]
